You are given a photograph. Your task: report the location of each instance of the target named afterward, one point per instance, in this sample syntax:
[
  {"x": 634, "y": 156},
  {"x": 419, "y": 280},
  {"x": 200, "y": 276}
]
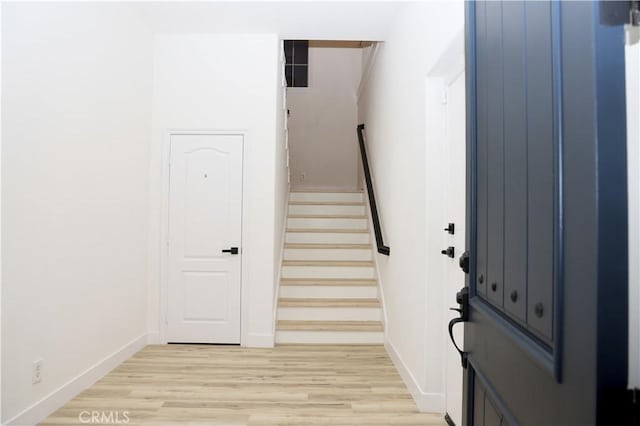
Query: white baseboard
[
  {"x": 426, "y": 402},
  {"x": 276, "y": 293},
  {"x": 56, "y": 399},
  {"x": 258, "y": 340},
  {"x": 153, "y": 338},
  {"x": 376, "y": 258}
]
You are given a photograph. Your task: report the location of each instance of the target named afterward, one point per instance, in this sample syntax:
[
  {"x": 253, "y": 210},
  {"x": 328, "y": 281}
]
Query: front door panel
[{"x": 539, "y": 162}]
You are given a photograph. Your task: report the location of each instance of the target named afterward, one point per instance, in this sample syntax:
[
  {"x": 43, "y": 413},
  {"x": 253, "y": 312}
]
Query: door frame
[
  {"x": 164, "y": 228},
  {"x": 455, "y": 72},
  {"x": 446, "y": 69}
]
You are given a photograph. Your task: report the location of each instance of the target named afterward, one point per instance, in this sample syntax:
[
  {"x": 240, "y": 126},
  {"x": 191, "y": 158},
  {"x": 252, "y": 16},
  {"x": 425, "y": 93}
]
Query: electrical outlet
[{"x": 36, "y": 374}]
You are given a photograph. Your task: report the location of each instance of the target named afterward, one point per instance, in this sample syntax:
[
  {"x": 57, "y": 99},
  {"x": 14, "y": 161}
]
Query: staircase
[{"x": 328, "y": 287}]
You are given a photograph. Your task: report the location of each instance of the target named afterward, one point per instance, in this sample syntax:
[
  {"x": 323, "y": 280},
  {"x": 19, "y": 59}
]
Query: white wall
[
  {"x": 322, "y": 124},
  {"x": 76, "y": 119},
  {"x": 392, "y": 105},
  {"x": 633, "y": 129},
  {"x": 292, "y": 20},
  {"x": 223, "y": 82}
]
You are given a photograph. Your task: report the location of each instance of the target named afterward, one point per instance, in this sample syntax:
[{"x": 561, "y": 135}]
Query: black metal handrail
[{"x": 382, "y": 249}]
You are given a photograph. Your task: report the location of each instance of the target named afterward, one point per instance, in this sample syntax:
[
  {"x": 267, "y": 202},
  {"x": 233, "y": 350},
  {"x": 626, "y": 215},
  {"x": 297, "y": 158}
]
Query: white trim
[
  {"x": 164, "y": 228},
  {"x": 276, "y": 293},
  {"x": 375, "y": 256},
  {"x": 41, "y": 409},
  {"x": 259, "y": 340},
  {"x": 426, "y": 402},
  {"x": 449, "y": 66},
  {"x": 0, "y": 211}
]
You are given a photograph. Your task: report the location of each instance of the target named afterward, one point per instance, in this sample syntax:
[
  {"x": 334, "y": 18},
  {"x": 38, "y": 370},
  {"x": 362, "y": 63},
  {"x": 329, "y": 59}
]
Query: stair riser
[
  {"x": 319, "y": 209},
  {"x": 327, "y": 272},
  {"x": 328, "y": 292},
  {"x": 327, "y": 238},
  {"x": 329, "y": 223},
  {"x": 330, "y": 314},
  {"x": 327, "y": 254},
  {"x": 327, "y": 196},
  {"x": 330, "y": 337}
]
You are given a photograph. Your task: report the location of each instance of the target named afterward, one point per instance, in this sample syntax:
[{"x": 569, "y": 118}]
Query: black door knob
[
  {"x": 464, "y": 262},
  {"x": 232, "y": 250},
  {"x": 449, "y": 251},
  {"x": 451, "y": 228}
]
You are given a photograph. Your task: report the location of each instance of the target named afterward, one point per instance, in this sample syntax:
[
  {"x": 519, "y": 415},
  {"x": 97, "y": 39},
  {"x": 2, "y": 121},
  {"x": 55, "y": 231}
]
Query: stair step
[
  {"x": 328, "y": 303},
  {"x": 329, "y": 230},
  {"x": 340, "y": 263},
  {"x": 326, "y": 282},
  {"x": 327, "y": 236},
  {"x": 327, "y": 191},
  {"x": 326, "y": 203},
  {"x": 327, "y": 223},
  {"x": 327, "y": 216},
  {"x": 328, "y": 292},
  {"x": 327, "y": 209},
  {"x": 304, "y": 337},
  {"x": 327, "y": 196},
  {"x": 336, "y": 252},
  {"x": 327, "y": 246},
  {"x": 329, "y": 325}
]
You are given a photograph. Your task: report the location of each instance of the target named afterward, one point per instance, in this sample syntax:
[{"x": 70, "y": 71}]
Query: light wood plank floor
[{"x": 229, "y": 385}]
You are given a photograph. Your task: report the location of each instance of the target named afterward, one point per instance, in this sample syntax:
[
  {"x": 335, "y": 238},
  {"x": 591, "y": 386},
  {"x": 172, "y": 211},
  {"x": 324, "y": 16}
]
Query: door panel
[
  {"x": 205, "y": 212},
  {"x": 541, "y": 179},
  {"x": 482, "y": 77},
  {"x": 495, "y": 153},
  {"x": 515, "y": 158},
  {"x": 544, "y": 157}
]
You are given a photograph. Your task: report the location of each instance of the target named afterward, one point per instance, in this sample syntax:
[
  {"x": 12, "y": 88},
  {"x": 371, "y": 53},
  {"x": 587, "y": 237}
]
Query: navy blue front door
[{"x": 546, "y": 339}]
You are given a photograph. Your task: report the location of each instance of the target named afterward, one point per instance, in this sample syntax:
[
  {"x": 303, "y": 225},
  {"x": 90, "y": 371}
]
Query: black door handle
[
  {"x": 451, "y": 228},
  {"x": 449, "y": 251},
  {"x": 232, "y": 250},
  {"x": 462, "y": 297},
  {"x": 464, "y": 262}
]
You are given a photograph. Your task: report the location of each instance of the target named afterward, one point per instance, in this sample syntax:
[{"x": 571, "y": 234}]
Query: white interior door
[
  {"x": 205, "y": 218},
  {"x": 456, "y": 144}
]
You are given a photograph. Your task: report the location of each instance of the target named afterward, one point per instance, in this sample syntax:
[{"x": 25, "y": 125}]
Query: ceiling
[{"x": 312, "y": 20}]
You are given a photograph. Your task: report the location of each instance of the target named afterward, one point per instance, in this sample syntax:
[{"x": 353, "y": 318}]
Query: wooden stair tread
[
  {"x": 330, "y": 325},
  {"x": 327, "y": 246},
  {"x": 326, "y": 216},
  {"x": 327, "y": 191},
  {"x": 327, "y": 282},
  {"x": 328, "y": 303},
  {"x": 361, "y": 263},
  {"x": 329, "y": 230},
  {"x": 326, "y": 203}
]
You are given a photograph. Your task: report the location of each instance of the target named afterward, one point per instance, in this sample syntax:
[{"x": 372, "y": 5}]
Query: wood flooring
[{"x": 228, "y": 385}]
